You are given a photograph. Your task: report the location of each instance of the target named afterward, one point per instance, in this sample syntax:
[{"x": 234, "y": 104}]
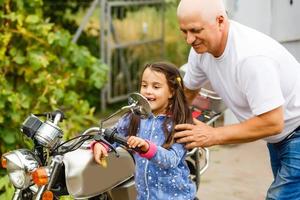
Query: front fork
[
  {"x": 17, "y": 194},
  {"x": 26, "y": 194},
  {"x": 55, "y": 166}
]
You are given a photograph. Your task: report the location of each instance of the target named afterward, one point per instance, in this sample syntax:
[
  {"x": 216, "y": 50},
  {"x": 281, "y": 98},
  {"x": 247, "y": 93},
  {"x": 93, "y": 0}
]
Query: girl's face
[{"x": 155, "y": 88}]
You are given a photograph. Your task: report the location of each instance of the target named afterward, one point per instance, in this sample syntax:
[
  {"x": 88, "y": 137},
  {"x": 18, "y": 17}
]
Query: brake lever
[{"x": 100, "y": 138}]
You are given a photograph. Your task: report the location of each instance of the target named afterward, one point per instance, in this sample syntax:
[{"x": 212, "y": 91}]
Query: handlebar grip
[
  {"x": 123, "y": 141},
  {"x": 119, "y": 139},
  {"x": 111, "y": 136}
]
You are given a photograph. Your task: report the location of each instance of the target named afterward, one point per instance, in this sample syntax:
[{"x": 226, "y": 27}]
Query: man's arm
[
  {"x": 190, "y": 94},
  {"x": 202, "y": 135},
  {"x": 261, "y": 126}
]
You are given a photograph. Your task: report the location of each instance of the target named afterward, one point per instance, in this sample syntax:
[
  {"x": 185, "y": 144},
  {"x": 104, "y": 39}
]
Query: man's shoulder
[{"x": 248, "y": 42}]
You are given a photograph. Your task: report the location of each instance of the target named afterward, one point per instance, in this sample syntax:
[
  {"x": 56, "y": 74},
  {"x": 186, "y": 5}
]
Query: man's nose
[{"x": 190, "y": 38}]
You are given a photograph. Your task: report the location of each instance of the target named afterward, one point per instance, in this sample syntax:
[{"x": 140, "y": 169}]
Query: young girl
[{"x": 161, "y": 172}]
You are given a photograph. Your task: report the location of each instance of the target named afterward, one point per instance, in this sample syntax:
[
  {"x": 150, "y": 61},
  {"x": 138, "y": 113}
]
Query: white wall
[
  {"x": 276, "y": 18},
  {"x": 253, "y": 13},
  {"x": 293, "y": 47}
]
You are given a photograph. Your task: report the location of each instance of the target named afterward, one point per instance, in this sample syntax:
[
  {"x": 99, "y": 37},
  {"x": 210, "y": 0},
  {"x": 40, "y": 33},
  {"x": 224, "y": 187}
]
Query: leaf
[
  {"x": 20, "y": 4},
  {"x": 45, "y": 28},
  {"x": 19, "y": 59},
  {"x": 13, "y": 51},
  {"x": 20, "y": 19},
  {"x": 4, "y": 41},
  {"x": 71, "y": 98},
  {"x": 16, "y": 116},
  {"x": 8, "y": 138},
  {"x": 2, "y": 102},
  {"x": 61, "y": 38},
  {"x": 32, "y": 19},
  {"x": 1, "y": 119},
  {"x": 25, "y": 102},
  {"x": 43, "y": 99},
  {"x": 38, "y": 59},
  {"x": 18, "y": 56},
  {"x": 59, "y": 93},
  {"x": 51, "y": 38},
  {"x": 7, "y": 187}
]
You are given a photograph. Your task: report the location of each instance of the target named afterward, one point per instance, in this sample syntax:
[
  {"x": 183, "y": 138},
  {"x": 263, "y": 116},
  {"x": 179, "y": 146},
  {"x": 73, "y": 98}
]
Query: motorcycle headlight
[
  {"x": 20, "y": 163},
  {"x": 19, "y": 179}
]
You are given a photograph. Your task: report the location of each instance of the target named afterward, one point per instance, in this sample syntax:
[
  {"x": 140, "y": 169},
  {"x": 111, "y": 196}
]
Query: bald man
[{"x": 257, "y": 78}]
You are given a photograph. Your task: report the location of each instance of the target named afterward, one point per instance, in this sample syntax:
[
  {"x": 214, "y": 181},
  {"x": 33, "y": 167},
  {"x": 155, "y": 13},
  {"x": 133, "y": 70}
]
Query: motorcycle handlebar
[
  {"x": 56, "y": 116},
  {"x": 111, "y": 136}
]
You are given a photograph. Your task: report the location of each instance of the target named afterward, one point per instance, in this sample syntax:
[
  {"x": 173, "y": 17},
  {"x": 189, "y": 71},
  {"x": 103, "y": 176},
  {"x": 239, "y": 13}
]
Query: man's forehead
[{"x": 191, "y": 23}]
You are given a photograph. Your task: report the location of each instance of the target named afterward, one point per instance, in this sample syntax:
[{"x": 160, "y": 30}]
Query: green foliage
[
  {"x": 42, "y": 70},
  {"x": 7, "y": 187},
  {"x": 176, "y": 49}
]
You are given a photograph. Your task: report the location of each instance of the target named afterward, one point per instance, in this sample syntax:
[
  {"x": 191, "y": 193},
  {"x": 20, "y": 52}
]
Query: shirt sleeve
[
  {"x": 194, "y": 77},
  {"x": 260, "y": 82},
  {"x": 169, "y": 158}
]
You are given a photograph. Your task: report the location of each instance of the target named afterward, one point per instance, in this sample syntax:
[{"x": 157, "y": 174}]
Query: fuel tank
[{"x": 85, "y": 178}]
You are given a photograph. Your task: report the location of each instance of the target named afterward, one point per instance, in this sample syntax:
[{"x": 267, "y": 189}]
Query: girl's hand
[
  {"x": 100, "y": 154},
  {"x": 134, "y": 142}
]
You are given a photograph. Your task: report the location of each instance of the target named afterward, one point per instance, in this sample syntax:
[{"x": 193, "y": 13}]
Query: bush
[{"x": 42, "y": 70}]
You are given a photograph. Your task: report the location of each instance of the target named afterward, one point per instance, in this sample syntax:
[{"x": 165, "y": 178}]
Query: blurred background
[{"x": 84, "y": 57}]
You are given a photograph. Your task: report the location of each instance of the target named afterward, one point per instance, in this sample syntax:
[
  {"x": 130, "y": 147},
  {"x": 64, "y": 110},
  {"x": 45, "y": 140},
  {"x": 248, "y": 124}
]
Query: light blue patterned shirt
[{"x": 165, "y": 175}]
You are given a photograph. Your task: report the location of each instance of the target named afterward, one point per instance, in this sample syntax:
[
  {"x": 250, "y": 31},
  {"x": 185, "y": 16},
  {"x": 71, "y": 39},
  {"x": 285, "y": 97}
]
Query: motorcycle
[{"x": 54, "y": 168}]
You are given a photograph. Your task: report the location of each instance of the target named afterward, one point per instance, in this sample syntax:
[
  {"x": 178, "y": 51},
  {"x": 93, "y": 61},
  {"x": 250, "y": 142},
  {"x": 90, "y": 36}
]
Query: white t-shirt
[{"x": 254, "y": 75}]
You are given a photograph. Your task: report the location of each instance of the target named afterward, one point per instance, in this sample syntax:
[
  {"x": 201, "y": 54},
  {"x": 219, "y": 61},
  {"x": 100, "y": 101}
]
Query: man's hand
[
  {"x": 134, "y": 142},
  {"x": 196, "y": 135}
]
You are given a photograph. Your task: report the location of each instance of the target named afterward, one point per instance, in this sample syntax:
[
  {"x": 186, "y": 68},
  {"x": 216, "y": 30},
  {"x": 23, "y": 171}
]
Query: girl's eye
[
  {"x": 156, "y": 86},
  {"x": 143, "y": 86}
]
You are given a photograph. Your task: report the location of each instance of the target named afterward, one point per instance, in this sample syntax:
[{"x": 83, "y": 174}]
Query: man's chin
[{"x": 199, "y": 49}]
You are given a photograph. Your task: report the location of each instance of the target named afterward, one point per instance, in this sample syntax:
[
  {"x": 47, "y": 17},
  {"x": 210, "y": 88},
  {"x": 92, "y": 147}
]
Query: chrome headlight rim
[
  {"x": 20, "y": 164},
  {"x": 20, "y": 179}
]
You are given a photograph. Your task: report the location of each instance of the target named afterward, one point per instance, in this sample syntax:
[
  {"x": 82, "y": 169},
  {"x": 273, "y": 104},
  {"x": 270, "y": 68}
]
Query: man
[{"x": 257, "y": 78}]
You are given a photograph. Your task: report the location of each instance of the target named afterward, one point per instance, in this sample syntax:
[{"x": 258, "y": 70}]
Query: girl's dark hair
[{"x": 178, "y": 111}]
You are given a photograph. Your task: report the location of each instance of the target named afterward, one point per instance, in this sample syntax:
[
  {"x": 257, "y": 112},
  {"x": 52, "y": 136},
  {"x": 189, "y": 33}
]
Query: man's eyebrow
[
  {"x": 192, "y": 29},
  {"x": 197, "y": 29}
]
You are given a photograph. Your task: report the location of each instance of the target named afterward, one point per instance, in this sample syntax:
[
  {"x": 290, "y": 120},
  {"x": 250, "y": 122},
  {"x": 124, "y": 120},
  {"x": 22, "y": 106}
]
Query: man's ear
[{"x": 220, "y": 21}]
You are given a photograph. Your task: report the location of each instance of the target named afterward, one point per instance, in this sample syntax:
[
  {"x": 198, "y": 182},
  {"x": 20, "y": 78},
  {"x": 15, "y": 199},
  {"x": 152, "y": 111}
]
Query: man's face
[{"x": 201, "y": 35}]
